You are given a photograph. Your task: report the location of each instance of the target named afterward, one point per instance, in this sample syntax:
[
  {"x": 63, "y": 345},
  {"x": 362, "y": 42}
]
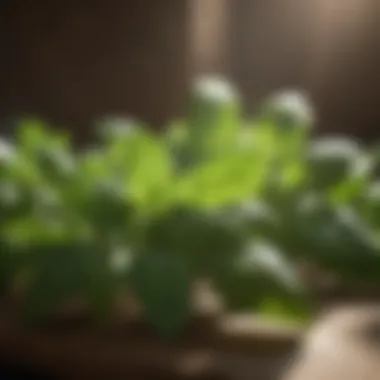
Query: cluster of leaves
[{"x": 240, "y": 202}]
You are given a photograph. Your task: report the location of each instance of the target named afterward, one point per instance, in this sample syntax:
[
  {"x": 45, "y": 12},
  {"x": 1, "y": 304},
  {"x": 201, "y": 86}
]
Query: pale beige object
[{"x": 340, "y": 347}]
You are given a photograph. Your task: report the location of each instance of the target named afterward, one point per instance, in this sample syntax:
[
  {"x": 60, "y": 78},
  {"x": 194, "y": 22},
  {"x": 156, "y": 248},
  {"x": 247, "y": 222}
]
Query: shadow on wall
[
  {"x": 345, "y": 71},
  {"x": 329, "y": 47},
  {"x": 270, "y": 45}
]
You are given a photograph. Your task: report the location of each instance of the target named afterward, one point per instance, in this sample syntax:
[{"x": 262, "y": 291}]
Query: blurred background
[{"x": 74, "y": 60}]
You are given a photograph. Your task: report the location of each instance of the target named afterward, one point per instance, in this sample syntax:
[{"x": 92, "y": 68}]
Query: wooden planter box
[{"x": 234, "y": 347}]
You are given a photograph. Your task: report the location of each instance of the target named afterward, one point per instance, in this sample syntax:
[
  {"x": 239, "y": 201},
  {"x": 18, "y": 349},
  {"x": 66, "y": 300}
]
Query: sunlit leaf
[{"x": 213, "y": 117}]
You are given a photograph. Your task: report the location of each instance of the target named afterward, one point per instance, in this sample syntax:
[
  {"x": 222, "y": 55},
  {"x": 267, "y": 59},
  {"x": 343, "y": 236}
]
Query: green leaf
[
  {"x": 7, "y": 155},
  {"x": 201, "y": 238},
  {"x": 43, "y": 154},
  {"x": 106, "y": 205},
  {"x": 14, "y": 201},
  {"x": 332, "y": 161},
  {"x": 258, "y": 272},
  {"x": 56, "y": 164},
  {"x": 213, "y": 118},
  {"x": 61, "y": 273},
  {"x": 224, "y": 180},
  {"x": 285, "y": 123},
  {"x": 339, "y": 240},
  {"x": 114, "y": 129},
  {"x": 176, "y": 140},
  {"x": 352, "y": 189},
  {"x": 143, "y": 161},
  {"x": 254, "y": 217},
  {"x": 162, "y": 282},
  {"x": 33, "y": 135},
  {"x": 371, "y": 203},
  {"x": 289, "y": 110}
]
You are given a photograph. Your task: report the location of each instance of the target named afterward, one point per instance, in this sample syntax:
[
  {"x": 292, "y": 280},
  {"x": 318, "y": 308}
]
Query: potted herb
[{"x": 123, "y": 236}]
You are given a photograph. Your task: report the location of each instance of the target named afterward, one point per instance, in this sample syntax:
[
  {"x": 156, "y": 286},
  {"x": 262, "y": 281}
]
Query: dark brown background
[{"x": 72, "y": 61}]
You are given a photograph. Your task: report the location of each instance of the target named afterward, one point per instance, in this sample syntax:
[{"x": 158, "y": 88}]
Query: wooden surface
[
  {"x": 344, "y": 344},
  {"x": 236, "y": 343}
]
